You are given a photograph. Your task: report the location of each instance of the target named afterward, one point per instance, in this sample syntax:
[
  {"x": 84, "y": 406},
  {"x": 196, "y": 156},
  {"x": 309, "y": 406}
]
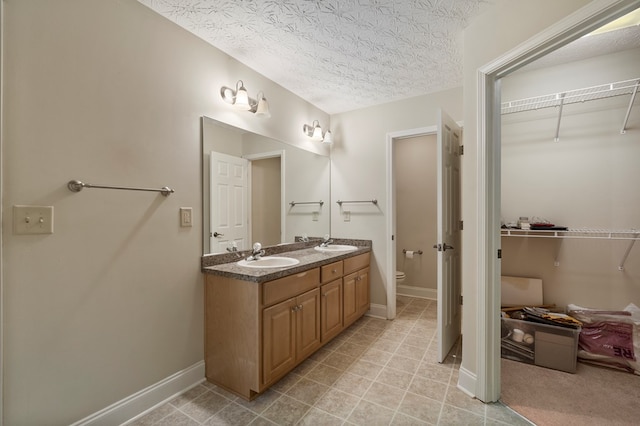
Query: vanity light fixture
[
  {"x": 314, "y": 131},
  {"x": 240, "y": 100}
]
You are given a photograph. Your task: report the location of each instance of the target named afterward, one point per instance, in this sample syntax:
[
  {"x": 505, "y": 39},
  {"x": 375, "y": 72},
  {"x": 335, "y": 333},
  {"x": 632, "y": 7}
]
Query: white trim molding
[
  {"x": 377, "y": 311},
  {"x": 421, "y": 292},
  {"x": 144, "y": 401}
]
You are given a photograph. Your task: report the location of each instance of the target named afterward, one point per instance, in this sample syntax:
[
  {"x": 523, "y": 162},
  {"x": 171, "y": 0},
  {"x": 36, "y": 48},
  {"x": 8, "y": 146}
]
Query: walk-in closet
[{"x": 570, "y": 170}]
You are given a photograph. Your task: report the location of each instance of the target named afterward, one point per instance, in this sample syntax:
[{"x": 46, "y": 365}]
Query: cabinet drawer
[
  {"x": 331, "y": 271},
  {"x": 356, "y": 262},
  {"x": 291, "y": 286}
]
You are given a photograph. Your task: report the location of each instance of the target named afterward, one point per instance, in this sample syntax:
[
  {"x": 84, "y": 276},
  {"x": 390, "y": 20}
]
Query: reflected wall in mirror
[{"x": 249, "y": 182}]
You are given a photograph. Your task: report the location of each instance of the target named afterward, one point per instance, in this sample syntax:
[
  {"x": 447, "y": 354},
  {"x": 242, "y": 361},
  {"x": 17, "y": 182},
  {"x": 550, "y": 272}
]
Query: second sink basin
[
  {"x": 335, "y": 248},
  {"x": 269, "y": 262}
]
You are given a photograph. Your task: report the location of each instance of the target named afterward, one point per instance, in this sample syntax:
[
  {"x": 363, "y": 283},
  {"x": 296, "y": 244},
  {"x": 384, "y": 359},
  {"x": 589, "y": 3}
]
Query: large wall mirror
[{"x": 257, "y": 189}]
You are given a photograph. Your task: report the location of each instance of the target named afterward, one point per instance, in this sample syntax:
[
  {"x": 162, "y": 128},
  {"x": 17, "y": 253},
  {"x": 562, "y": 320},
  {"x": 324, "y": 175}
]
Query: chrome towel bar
[
  {"x": 76, "y": 186},
  {"x": 293, "y": 203},
  {"x": 374, "y": 201}
]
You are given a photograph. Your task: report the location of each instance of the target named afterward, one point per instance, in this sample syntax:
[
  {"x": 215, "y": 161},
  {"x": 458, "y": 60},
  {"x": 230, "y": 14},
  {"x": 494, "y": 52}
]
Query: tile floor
[{"x": 376, "y": 372}]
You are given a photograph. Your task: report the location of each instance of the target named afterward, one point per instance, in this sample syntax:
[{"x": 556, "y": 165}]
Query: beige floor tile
[
  {"x": 385, "y": 395},
  {"x": 397, "y": 378},
  {"x": 189, "y": 396},
  {"x": 317, "y": 417},
  {"x": 370, "y": 414},
  {"x": 434, "y": 371},
  {"x": 305, "y": 367},
  {"x": 453, "y": 416},
  {"x": 338, "y": 360},
  {"x": 324, "y": 374},
  {"x": 286, "y": 411},
  {"x": 376, "y": 357},
  {"x": 205, "y": 406},
  {"x": 409, "y": 351},
  {"x": 338, "y": 403},
  {"x": 154, "y": 416},
  {"x": 260, "y": 403},
  {"x": 307, "y": 391},
  {"x": 403, "y": 363},
  {"x": 403, "y": 420},
  {"x": 232, "y": 415},
  {"x": 177, "y": 419},
  {"x": 459, "y": 399},
  {"x": 387, "y": 345},
  {"x": 351, "y": 349},
  {"x": 362, "y": 339},
  {"x": 429, "y": 388},
  {"x": 365, "y": 369},
  {"x": 420, "y": 407},
  {"x": 286, "y": 382},
  {"x": 350, "y": 383}
]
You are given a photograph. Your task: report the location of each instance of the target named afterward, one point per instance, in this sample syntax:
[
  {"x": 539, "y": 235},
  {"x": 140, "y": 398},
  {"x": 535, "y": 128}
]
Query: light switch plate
[
  {"x": 186, "y": 216},
  {"x": 347, "y": 216},
  {"x": 32, "y": 220},
  {"x": 314, "y": 216}
]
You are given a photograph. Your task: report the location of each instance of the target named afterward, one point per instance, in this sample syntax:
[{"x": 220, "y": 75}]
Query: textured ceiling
[{"x": 339, "y": 55}]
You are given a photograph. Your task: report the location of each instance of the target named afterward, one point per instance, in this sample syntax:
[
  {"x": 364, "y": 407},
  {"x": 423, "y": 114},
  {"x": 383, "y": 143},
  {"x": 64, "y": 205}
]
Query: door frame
[
  {"x": 487, "y": 329},
  {"x": 263, "y": 156},
  {"x": 391, "y": 208}
]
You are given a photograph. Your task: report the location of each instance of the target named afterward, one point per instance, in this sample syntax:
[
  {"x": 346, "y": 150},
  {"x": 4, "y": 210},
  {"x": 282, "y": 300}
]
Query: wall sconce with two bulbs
[
  {"x": 314, "y": 131},
  {"x": 240, "y": 100}
]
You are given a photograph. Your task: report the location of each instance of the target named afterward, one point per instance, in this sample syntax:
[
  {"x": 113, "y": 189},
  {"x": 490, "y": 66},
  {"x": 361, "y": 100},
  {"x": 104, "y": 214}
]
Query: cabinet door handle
[
  {"x": 334, "y": 271},
  {"x": 300, "y": 307}
]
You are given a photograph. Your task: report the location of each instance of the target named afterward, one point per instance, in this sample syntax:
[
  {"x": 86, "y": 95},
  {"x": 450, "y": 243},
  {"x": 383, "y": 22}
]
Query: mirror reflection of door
[
  {"x": 228, "y": 202},
  {"x": 266, "y": 201}
]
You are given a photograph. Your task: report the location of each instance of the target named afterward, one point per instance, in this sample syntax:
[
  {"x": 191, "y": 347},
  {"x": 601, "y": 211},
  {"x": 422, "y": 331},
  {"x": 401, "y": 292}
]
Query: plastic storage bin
[{"x": 540, "y": 344}]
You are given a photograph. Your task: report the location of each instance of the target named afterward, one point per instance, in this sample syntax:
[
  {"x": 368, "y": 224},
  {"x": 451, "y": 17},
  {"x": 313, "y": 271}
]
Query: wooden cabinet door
[
  {"x": 362, "y": 291},
  {"x": 350, "y": 307},
  {"x": 330, "y": 309},
  {"x": 307, "y": 323},
  {"x": 279, "y": 335}
]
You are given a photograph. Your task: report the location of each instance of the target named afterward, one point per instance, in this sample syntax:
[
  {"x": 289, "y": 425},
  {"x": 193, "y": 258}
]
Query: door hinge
[
  {"x": 461, "y": 299},
  {"x": 461, "y": 225},
  {"x": 499, "y": 253},
  {"x": 461, "y": 149}
]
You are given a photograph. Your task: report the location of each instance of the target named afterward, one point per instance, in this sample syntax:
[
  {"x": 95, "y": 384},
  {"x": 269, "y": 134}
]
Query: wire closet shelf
[{"x": 626, "y": 87}]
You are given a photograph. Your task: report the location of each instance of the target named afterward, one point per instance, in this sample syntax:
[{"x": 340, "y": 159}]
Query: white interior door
[
  {"x": 229, "y": 198},
  {"x": 448, "y": 234}
]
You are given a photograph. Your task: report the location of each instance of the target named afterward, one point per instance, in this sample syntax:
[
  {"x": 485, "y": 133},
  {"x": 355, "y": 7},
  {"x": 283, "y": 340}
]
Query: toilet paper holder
[{"x": 412, "y": 251}]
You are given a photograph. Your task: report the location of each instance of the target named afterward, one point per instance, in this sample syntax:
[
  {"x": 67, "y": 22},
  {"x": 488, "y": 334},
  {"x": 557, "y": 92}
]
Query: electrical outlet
[
  {"x": 314, "y": 216},
  {"x": 186, "y": 216},
  {"x": 347, "y": 216},
  {"x": 32, "y": 220}
]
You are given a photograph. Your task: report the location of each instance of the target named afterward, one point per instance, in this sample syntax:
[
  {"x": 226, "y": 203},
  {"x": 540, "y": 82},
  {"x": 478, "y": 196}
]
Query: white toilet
[{"x": 400, "y": 276}]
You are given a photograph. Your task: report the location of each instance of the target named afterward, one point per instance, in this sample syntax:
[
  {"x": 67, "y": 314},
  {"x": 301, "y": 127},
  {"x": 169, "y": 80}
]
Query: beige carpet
[{"x": 593, "y": 396}]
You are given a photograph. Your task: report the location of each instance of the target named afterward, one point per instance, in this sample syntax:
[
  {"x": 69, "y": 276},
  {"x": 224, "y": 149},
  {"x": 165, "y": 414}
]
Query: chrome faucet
[
  {"x": 327, "y": 241},
  {"x": 256, "y": 253}
]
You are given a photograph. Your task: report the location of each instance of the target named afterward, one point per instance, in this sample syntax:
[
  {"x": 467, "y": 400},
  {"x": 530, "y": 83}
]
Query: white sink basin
[
  {"x": 269, "y": 262},
  {"x": 336, "y": 248}
]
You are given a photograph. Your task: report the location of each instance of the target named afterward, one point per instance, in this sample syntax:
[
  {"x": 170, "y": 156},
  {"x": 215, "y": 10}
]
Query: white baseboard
[
  {"x": 467, "y": 382},
  {"x": 424, "y": 293},
  {"x": 377, "y": 311},
  {"x": 147, "y": 399}
]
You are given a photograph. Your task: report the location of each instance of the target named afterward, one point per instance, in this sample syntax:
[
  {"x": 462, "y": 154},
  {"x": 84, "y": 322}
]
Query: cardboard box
[{"x": 540, "y": 344}]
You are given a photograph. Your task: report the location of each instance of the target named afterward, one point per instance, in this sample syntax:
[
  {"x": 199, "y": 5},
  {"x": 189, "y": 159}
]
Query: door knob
[{"x": 217, "y": 234}]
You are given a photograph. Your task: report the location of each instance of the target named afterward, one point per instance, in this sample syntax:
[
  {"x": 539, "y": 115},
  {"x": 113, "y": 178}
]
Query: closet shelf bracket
[
  {"x": 626, "y": 117},
  {"x": 626, "y": 254},
  {"x": 561, "y": 96}
]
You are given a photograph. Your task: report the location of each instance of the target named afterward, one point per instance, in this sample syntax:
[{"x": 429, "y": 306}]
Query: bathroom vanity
[{"x": 262, "y": 322}]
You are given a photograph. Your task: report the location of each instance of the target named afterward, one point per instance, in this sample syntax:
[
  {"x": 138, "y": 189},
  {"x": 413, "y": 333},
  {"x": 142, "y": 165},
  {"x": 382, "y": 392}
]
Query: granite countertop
[{"x": 226, "y": 264}]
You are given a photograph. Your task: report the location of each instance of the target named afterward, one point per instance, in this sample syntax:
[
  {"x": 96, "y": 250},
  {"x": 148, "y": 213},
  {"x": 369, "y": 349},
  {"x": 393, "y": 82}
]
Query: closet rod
[
  {"x": 374, "y": 201},
  {"x": 76, "y": 186},
  {"x": 293, "y": 203}
]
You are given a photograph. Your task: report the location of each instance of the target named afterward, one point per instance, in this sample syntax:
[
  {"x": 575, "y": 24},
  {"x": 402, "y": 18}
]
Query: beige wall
[
  {"x": 581, "y": 181},
  {"x": 416, "y": 210},
  {"x": 110, "y": 93}
]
